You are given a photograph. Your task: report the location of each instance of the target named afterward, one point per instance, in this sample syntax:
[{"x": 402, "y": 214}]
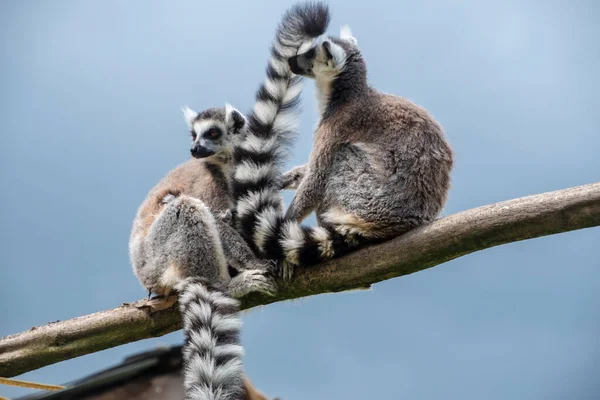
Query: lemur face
[
  {"x": 214, "y": 131},
  {"x": 326, "y": 58}
]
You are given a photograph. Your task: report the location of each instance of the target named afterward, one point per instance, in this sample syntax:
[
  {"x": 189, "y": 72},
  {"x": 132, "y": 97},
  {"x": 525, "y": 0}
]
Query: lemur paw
[
  {"x": 291, "y": 179},
  {"x": 158, "y": 303},
  {"x": 286, "y": 270},
  {"x": 252, "y": 280},
  {"x": 269, "y": 267}
]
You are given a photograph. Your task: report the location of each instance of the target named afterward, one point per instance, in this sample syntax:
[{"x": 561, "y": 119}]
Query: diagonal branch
[{"x": 445, "y": 239}]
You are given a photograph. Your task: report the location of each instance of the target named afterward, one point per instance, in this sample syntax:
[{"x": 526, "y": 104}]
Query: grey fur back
[{"x": 380, "y": 164}]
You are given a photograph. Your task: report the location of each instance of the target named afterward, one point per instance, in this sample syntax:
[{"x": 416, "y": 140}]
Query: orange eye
[
  {"x": 214, "y": 133},
  {"x": 194, "y": 136}
]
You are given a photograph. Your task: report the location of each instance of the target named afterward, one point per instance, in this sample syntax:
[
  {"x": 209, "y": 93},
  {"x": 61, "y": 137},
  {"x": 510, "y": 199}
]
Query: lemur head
[
  {"x": 215, "y": 131},
  {"x": 328, "y": 57}
]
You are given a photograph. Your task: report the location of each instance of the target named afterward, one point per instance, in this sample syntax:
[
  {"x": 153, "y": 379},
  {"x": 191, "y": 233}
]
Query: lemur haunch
[
  {"x": 176, "y": 241},
  {"x": 380, "y": 165}
]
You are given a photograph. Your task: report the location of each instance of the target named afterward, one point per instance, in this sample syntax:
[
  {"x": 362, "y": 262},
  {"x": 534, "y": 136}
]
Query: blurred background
[{"x": 90, "y": 120}]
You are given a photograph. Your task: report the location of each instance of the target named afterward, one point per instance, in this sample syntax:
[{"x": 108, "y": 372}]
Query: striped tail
[
  {"x": 299, "y": 245},
  {"x": 273, "y": 121},
  {"x": 212, "y": 354}
]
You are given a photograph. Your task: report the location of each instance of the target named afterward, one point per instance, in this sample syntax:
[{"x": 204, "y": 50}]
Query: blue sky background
[{"x": 90, "y": 97}]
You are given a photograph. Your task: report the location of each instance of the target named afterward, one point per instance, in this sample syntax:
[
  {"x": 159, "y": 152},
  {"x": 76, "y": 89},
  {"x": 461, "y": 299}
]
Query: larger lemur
[
  {"x": 380, "y": 166},
  {"x": 176, "y": 241}
]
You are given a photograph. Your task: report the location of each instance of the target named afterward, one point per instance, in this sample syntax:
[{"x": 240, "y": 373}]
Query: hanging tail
[
  {"x": 273, "y": 121},
  {"x": 212, "y": 354}
]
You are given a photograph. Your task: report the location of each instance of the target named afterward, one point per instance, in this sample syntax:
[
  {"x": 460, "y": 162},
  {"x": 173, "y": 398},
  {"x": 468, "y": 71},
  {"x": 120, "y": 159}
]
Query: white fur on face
[
  {"x": 326, "y": 71},
  {"x": 339, "y": 56},
  {"x": 201, "y": 126}
]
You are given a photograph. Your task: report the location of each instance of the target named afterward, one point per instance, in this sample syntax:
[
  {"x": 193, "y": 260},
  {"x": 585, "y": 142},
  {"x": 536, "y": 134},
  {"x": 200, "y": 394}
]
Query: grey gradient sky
[{"x": 90, "y": 97}]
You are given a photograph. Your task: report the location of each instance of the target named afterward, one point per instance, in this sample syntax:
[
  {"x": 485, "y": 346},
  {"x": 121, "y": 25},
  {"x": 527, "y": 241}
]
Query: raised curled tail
[
  {"x": 273, "y": 121},
  {"x": 212, "y": 354}
]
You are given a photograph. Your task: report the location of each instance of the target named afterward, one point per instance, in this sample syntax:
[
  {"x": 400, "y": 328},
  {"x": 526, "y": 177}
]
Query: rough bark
[{"x": 445, "y": 239}]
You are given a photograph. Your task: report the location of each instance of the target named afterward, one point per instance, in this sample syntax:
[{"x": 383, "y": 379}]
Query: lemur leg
[
  {"x": 311, "y": 190},
  {"x": 252, "y": 280},
  {"x": 237, "y": 252},
  {"x": 255, "y": 275},
  {"x": 291, "y": 179}
]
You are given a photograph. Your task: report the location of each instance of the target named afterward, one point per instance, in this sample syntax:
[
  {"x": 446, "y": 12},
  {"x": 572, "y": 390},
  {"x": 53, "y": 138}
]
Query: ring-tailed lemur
[
  {"x": 171, "y": 225},
  {"x": 380, "y": 166},
  {"x": 176, "y": 242}
]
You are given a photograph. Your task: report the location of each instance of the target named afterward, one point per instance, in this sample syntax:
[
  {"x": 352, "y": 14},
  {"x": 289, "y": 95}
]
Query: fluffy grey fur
[
  {"x": 177, "y": 243},
  {"x": 181, "y": 249},
  {"x": 380, "y": 164}
]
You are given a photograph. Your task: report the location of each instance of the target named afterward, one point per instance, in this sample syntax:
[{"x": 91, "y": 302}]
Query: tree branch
[{"x": 443, "y": 240}]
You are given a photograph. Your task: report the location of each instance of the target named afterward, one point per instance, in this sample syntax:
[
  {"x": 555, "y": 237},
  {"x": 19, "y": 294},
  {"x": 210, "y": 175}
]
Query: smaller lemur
[
  {"x": 177, "y": 217},
  {"x": 177, "y": 243},
  {"x": 380, "y": 166}
]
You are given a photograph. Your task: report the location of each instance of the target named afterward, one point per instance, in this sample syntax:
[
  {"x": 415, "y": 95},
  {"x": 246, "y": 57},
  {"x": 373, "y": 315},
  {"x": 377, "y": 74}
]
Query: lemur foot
[
  {"x": 252, "y": 280},
  {"x": 268, "y": 267},
  {"x": 158, "y": 303},
  {"x": 286, "y": 270}
]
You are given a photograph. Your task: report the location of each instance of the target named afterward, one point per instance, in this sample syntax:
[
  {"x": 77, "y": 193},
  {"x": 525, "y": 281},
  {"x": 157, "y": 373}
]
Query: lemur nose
[
  {"x": 293, "y": 63},
  {"x": 201, "y": 152}
]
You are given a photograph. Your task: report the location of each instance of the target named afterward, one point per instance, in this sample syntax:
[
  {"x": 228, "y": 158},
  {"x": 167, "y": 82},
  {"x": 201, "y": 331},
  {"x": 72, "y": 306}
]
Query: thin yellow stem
[{"x": 32, "y": 385}]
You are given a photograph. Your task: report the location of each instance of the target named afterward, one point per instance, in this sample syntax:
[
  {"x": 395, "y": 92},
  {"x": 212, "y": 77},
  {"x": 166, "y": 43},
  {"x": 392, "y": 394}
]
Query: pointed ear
[
  {"x": 346, "y": 34},
  {"x": 234, "y": 119},
  {"x": 189, "y": 115}
]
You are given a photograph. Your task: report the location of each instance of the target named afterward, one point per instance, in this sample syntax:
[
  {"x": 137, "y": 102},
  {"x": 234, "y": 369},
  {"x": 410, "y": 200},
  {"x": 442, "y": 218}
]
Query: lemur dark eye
[
  {"x": 213, "y": 133},
  {"x": 194, "y": 136}
]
